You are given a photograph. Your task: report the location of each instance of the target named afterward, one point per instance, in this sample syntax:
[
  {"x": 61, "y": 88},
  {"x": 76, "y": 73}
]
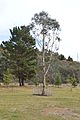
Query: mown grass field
[{"x": 20, "y": 104}]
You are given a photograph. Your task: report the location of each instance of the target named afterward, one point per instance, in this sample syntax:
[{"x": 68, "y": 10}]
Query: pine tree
[{"x": 21, "y": 53}]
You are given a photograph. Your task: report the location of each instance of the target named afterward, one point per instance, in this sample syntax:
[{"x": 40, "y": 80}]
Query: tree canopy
[
  {"x": 20, "y": 51},
  {"x": 45, "y": 30}
]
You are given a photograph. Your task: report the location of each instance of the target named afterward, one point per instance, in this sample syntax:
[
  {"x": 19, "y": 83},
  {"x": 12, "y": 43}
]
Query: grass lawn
[{"x": 19, "y": 104}]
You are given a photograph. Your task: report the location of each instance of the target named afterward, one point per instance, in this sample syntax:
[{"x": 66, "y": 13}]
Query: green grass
[{"x": 20, "y": 104}]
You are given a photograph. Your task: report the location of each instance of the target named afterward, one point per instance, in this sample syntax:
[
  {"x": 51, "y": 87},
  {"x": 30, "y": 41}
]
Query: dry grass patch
[{"x": 65, "y": 113}]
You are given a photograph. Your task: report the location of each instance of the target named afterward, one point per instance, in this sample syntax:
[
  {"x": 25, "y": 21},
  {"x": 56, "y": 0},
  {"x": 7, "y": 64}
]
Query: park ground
[{"x": 19, "y": 103}]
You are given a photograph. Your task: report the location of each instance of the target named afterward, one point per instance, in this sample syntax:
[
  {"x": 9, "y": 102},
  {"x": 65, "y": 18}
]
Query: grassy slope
[{"x": 20, "y": 104}]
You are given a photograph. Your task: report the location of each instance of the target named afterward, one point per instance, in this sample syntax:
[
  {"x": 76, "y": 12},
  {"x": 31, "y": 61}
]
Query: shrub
[
  {"x": 58, "y": 80},
  {"x": 74, "y": 81},
  {"x": 36, "y": 81},
  {"x": 7, "y": 77}
]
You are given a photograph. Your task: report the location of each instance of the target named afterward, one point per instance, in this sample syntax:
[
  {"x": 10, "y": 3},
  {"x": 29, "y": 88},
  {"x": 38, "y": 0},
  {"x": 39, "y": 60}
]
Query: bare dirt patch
[{"x": 65, "y": 113}]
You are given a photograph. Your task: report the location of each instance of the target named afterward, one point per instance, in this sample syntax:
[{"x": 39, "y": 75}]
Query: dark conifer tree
[{"x": 20, "y": 52}]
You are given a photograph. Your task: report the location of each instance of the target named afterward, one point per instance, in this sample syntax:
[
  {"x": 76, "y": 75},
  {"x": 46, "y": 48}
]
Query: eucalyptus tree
[{"x": 46, "y": 32}]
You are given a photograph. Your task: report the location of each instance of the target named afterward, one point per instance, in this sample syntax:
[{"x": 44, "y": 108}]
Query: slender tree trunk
[
  {"x": 43, "y": 63},
  {"x": 44, "y": 85},
  {"x": 22, "y": 82}
]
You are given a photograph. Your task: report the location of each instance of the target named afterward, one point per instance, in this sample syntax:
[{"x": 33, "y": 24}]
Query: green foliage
[
  {"x": 74, "y": 81},
  {"x": 66, "y": 68},
  {"x": 43, "y": 28},
  {"x": 7, "y": 77},
  {"x": 20, "y": 53},
  {"x": 43, "y": 19},
  {"x": 43, "y": 25},
  {"x": 58, "y": 80},
  {"x": 61, "y": 57},
  {"x": 36, "y": 81},
  {"x": 70, "y": 59}
]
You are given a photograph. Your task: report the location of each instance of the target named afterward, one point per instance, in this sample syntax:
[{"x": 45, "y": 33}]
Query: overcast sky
[{"x": 67, "y": 12}]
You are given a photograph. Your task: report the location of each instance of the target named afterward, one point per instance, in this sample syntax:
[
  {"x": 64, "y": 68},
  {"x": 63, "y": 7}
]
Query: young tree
[
  {"x": 45, "y": 30},
  {"x": 74, "y": 81},
  {"x": 7, "y": 77},
  {"x": 21, "y": 53},
  {"x": 36, "y": 81},
  {"x": 58, "y": 80}
]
